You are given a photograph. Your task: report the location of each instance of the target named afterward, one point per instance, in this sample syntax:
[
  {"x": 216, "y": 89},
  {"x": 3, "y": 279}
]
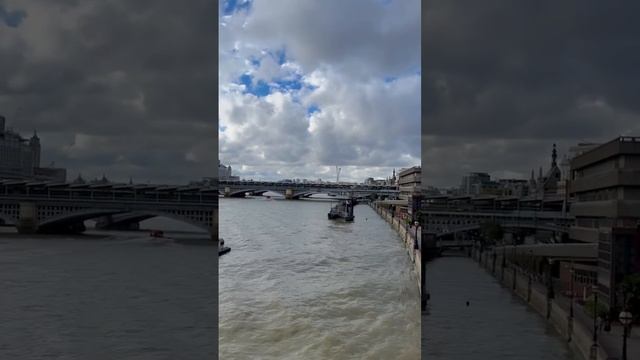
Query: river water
[
  {"x": 495, "y": 325},
  {"x": 298, "y": 286},
  {"x": 108, "y": 295}
]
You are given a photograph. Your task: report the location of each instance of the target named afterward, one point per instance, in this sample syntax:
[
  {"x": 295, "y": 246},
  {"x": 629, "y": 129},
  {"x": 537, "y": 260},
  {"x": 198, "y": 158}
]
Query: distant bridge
[
  {"x": 444, "y": 215},
  {"x": 302, "y": 190},
  {"x": 444, "y": 244},
  {"x": 442, "y": 223},
  {"x": 62, "y": 207}
]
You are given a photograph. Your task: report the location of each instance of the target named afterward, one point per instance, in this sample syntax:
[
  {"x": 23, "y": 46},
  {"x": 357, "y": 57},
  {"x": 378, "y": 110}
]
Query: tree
[
  {"x": 630, "y": 288},
  {"x": 491, "y": 231},
  {"x": 589, "y": 307}
]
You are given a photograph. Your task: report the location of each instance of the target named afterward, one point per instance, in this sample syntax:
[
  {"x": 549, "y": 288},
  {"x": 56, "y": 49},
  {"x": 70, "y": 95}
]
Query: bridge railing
[
  {"x": 239, "y": 183},
  {"x": 111, "y": 196}
]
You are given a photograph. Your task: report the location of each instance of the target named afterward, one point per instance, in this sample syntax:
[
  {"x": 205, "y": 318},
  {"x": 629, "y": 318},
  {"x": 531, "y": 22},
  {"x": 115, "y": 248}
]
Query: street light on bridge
[{"x": 625, "y": 318}]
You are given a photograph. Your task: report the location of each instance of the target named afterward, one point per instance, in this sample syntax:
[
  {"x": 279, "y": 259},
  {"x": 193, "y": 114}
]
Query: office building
[{"x": 605, "y": 186}]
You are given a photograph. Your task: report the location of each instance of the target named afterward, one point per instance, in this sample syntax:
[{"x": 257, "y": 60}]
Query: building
[
  {"x": 474, "y": 183},
  {"x": 410, "y": 188},
  {"x": 50, "y": 174},
  {"x": 513, "y": 187},
  {"x": 224, "y": 172},
  {"x": 605, "y": 187},
  {"x": 549, "y": 183},
  {"x": 20, "y": 157}
]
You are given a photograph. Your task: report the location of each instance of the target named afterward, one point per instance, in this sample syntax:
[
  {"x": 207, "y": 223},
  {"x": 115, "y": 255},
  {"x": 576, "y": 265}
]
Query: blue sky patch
[
  {"x": 259, "y": 89},
  {"x": 312, "y": 109},
  {"x": 390, "y": 79},
  {"x": 289, "y": 84},
  {"x": 231, "y": 6},
  {"x": 12, "y": 18},
  {"x": 254, "y": 61},
  {"x": 281, "y": 56}
]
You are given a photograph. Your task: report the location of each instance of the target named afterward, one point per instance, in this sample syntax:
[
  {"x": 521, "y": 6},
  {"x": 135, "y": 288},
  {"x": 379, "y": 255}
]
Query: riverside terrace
[
  {"x": 63, "y": 207},
  {"x": 300, "y": 190}
]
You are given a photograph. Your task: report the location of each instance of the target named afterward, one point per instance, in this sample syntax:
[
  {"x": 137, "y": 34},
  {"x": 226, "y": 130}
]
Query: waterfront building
[
  {"x": 410, "y": 189},
  {"x": 605, "y": 186},
  {"x": 224, "y": 172},
  {"x": 20, "y": 157}
]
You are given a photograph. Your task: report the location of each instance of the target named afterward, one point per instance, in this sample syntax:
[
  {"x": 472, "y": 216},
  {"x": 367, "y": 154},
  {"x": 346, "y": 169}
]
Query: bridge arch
[
  {"x": 138, "y": 216},
  {"x": 65, "y": 220}
]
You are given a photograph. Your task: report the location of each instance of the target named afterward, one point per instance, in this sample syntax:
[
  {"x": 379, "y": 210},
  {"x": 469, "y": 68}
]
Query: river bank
[
  {"x": 573, "y": 329},
  {"x": 407, "y": 235}
]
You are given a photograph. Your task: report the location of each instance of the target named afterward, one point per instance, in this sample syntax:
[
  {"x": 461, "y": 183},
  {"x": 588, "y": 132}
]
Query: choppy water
[
  {"x": 298, "y": 286},
  {"x": 114, "y": 296},
  {"x": 496, "y": 325}
]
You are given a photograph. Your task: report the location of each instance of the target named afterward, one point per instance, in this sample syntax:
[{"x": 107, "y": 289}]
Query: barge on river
[{"x": 343, "y": 210}]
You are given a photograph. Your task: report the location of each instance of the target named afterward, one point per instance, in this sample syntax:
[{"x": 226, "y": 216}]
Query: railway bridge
[
  {"x": 302, "y": 190},
  {"x": 49, "y": 207}
]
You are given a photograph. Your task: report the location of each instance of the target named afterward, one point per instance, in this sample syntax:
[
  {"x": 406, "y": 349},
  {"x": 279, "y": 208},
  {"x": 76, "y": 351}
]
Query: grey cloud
[
  {"x": 139, "y": 74},
  {"x": 524, "y": 73}
]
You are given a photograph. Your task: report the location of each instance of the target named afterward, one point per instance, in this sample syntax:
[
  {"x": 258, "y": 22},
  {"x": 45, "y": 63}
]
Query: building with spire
[
  {"x": 20, "y": 157},
  {"x": 224, "y": 172},
  {"x": 548, "y": 183}
]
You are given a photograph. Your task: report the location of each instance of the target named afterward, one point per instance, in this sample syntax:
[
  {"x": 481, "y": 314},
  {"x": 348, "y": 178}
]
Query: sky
[
  {"x": 116, "y": 87},
  {"x": 505, "y": 80},
  {"x": 308, "y": 85}
]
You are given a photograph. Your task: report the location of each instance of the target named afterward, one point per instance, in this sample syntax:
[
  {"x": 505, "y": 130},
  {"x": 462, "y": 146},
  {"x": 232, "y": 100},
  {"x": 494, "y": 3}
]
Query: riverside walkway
[{"x": 577, "y": 330}]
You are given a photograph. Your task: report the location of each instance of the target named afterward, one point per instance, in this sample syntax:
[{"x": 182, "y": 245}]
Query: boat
[
  {"x": 223, "y": 249},
  {"x": 156, "y": 233},
  {"x": 343, "y": 210}
]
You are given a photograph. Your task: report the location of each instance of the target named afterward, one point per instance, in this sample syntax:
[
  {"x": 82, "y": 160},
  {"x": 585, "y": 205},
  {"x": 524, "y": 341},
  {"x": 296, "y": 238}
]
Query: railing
[
  {"x": 304, "y": 186},
  {"x": 111, "y": 197}
]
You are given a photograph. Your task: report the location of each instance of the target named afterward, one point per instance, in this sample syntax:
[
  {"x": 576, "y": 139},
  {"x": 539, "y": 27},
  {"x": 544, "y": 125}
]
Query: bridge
[
  {"x": 446, "y": 244},
  {"x": 302, "y": 190},
  {"x": 444, "y": 216},
  {"x": 49, "y": 207}
]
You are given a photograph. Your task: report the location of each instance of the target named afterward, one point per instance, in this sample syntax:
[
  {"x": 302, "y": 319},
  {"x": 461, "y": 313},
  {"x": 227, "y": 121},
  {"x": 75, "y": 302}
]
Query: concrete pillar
[
  {"x": 227, "y": 191},
  {"x": 104, "y": 222},
  {"x": 214, "y": 229},
  {"x": 288, "y": 194},
  {"x": 28, "y": 222}
]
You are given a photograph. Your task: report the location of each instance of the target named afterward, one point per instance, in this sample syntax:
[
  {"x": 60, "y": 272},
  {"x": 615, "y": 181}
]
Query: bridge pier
[
  {"x": 288, "y": 194},
  {"x": 28, "y": 223}
]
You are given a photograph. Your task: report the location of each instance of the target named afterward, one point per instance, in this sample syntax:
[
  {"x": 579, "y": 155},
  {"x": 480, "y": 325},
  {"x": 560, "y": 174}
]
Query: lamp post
[
  {"x": 415, "y": 240},
  {"x": 572, "y": 271},
  {"x": 594, "y": 346},
  {"x": 625, "y": 318}
]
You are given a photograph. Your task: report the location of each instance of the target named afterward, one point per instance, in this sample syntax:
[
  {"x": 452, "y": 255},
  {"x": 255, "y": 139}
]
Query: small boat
[
  {"x": 343, "y": 210},
  {"x": 156, "y": 233},
  {"x": 223, "y": 249}
]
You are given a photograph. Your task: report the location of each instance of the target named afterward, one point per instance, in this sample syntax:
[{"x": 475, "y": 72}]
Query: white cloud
[{"x": 343, "y": 52}]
